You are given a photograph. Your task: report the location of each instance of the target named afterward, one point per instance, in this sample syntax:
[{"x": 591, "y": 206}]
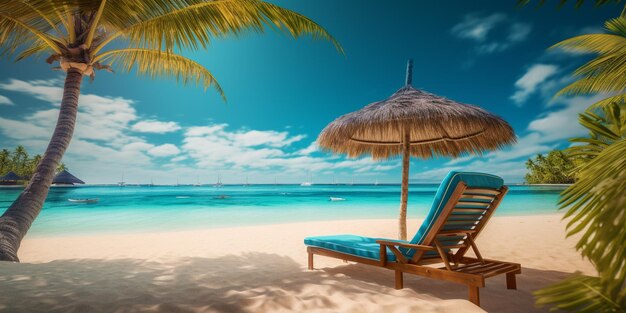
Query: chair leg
[
  {"x": 310, "y": 260},
  {"x": 510, "y": 281},
  {"x": 474, "y": 295},
  {"x": 399, "y": 280}
]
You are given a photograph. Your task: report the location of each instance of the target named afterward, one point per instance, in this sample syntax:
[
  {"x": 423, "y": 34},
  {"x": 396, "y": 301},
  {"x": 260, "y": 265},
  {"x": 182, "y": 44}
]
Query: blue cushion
[
  {"x": 449, "y": 183},
  {"x": 365, "y": 247}
]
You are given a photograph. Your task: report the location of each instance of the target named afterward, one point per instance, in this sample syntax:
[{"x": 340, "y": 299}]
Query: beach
[{"x": 262, "y": 268}]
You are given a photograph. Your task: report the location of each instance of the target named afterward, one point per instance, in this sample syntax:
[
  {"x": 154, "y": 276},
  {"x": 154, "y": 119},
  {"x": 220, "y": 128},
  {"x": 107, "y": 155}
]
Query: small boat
[
  {"x": 87, "y": 200},
  {"x": 309, "y": 181},
  {"x": 221, "y": 197},
  {"x": 218, "y": 184},
  {"x": 183, "y": 197},
  {"x": 337, "y": 199}
]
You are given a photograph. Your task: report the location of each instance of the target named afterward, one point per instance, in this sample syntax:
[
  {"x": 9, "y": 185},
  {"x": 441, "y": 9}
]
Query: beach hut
[
  {"x": 65, "y": 178},
  {"x": 413, "y": 122},
  {"x": 10, "y": 179}
]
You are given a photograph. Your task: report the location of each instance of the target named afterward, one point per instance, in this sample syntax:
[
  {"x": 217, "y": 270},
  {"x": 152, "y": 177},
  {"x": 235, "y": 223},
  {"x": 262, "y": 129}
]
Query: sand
[{"x": 263, "y": 269}]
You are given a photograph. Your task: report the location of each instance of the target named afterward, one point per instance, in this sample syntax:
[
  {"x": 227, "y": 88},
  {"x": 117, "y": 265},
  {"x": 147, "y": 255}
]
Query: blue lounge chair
[{"x": 462, "y": 206}]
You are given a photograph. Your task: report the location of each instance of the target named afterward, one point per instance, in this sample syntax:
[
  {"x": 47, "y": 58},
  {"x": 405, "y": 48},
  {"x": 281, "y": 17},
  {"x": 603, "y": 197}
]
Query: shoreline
[
  {"x": 263, "y": 269},
  {"x": 36, "y": 235}
]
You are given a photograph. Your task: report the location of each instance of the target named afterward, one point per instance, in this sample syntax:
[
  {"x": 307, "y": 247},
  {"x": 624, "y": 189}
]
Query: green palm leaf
[
  {"x": 191, "y": 24},
  {"x": 607, "y": 71},
  {"x": 156, "y": 63}
]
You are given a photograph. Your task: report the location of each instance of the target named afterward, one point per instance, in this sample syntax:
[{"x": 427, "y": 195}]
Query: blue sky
[{"x": 283, "y": 92}]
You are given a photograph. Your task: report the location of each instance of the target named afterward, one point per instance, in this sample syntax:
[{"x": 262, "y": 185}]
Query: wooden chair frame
[{"x": 457, "y": 268}]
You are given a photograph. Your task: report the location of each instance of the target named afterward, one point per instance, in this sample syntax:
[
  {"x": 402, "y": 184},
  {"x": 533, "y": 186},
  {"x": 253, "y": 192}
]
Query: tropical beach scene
[{"x": 312, "y": 156}]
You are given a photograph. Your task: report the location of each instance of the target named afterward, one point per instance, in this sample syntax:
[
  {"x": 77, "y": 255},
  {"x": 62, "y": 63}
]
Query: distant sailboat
[
  {"x": 177, "y": 183},
  {"x": 376, "y": 182},
  {"x": 219, "y": 181},
  {"x": 151, "y": 184},
  {"x": 122, "y": 183},
  {"x": 309, "y": 181},
  {"x": 197, "y": 184},
  {"x": 351, "y": 182},
  {"x": 246, "y": 184}
]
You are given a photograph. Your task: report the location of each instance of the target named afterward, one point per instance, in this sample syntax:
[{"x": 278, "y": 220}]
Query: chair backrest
[{"x": 463, "y": 202}]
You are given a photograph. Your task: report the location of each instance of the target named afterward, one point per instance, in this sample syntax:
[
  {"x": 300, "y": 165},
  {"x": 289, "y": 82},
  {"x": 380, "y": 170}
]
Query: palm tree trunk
[
  {"x": 404, "y": 194},
  {"x": 16, "y": 221}
]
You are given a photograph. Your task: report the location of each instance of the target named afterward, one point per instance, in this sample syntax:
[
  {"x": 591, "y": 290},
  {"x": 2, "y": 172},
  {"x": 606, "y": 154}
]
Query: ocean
[{"x": 169, "y": 208}]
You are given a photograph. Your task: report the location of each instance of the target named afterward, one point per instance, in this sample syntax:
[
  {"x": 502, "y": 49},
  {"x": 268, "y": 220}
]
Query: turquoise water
[{"x": 167, "y": 208}]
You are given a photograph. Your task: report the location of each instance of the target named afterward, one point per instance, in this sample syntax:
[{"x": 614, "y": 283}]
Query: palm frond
[
  {"x": 190, "y": 24},
  {"x": 577, "y": 3},
  {"x": 595, "y": 203},
  {"x": 156, "y": 63},
  {"x": 607, "y": 71},
  {"x": 15, "y": 33},
  {"x": 578, "y": 293}
]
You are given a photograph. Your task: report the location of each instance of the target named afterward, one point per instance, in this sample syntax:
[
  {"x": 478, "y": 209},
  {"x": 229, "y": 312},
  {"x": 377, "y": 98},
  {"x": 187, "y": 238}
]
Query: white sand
[{"x": 262, "y": 269}]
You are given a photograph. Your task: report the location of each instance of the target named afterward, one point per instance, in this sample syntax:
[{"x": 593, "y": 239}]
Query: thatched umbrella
[
  {"x": 66, "y": 178},
  {"x": 418, "y": 123},
  {"x": 10, "y": 176},
  {"x": 10, "y": 179}
]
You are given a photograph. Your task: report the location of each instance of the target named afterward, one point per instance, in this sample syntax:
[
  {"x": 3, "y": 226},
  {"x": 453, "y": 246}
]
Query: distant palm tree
[
  {"x": 19, "y": 160},
  {"x": 144, "y": 36},
  {"x": 5, "y": 161}
]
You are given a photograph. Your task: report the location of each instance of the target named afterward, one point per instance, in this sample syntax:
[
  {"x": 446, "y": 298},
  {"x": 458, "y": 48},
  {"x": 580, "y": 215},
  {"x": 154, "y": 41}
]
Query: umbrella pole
[{"x": 404, "y": 194}]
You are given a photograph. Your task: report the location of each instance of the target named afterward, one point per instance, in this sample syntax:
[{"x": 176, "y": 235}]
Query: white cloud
[
  {"x": 546, "y": 132},
  {"x": 100, "y": 142},
  {"x": 529, "y": 82},
  {"x": 479, "y": 29},
  {"x": 153, "y": 126},
  {"x": 164, "y": 150},
  {"x": 310, "y": 149},
  {"x": 216, "y": 147},
  {"x": 5, "y": 101}
]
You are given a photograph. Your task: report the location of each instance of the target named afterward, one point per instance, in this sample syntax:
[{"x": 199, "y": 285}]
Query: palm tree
[
  {"x": 595, "y": 202},
  {"x": 5, "y": 161},
  {"x": 142, "y": 36},
  {"x": 595, "y": 205},
  {"x": 19, "y": 160}
]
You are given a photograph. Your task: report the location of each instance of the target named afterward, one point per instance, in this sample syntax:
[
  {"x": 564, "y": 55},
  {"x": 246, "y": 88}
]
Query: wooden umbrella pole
[{"x": 404, "y": 194}]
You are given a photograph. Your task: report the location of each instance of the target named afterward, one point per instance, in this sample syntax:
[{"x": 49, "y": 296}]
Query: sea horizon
[{"x": 133, "y": 208}]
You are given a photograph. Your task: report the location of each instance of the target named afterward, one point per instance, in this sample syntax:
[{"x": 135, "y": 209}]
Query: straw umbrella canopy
[
  {"x": 413, "y": 122},
  {"x": 66, "y": 178}
]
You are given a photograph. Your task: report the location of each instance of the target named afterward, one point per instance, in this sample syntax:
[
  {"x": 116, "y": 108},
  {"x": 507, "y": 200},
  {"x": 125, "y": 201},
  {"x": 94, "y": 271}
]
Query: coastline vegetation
[
  {"x": 21, "y": 163},
  {"x": 553, "y": 168}
]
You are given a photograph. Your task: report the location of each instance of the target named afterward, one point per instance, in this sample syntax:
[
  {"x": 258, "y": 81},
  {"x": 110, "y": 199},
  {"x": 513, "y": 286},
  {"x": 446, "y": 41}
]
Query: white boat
[
  {"x": 376, "y": 182},
  {"x": 337, "y": 199},
  {"x": 122, "y": 183},
  {"x": 219, "y": 181},
  {"x": 197, "y": 184},
  {"x": 87, "y": 200},
  {"x": 309, "y": 181}
]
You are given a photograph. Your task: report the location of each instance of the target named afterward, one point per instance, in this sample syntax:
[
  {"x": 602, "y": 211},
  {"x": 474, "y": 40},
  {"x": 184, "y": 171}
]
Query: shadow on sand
[{"x": 239, "y": 283}]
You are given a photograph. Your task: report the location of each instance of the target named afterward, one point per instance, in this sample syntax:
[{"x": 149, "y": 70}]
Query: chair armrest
[{"x": 404, "y": 245}]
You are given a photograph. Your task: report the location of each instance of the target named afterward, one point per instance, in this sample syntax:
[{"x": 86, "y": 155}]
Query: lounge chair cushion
[
  {"x": 449, "y": 183},
  {"x": 365, "y": 247}
]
